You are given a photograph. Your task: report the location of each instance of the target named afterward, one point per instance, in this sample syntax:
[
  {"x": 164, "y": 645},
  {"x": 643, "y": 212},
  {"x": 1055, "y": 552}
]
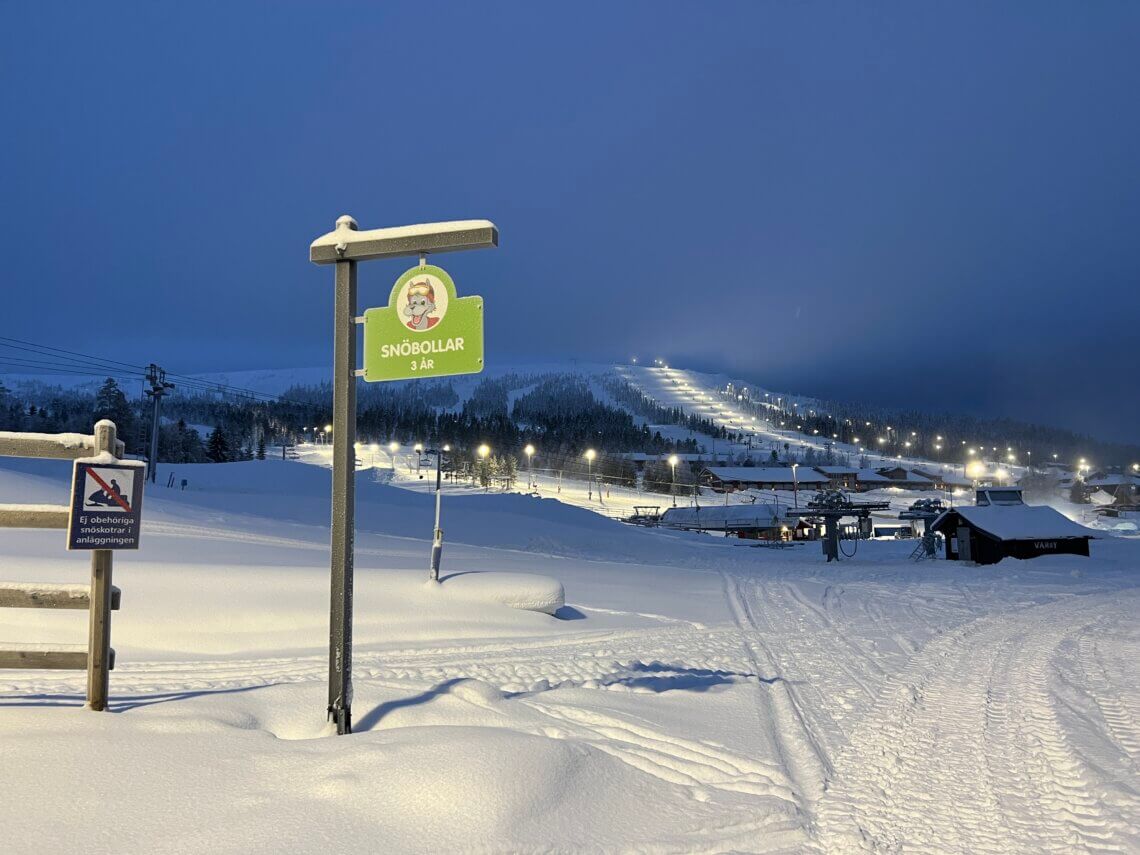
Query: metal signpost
[{"x": 414, "y": 306}]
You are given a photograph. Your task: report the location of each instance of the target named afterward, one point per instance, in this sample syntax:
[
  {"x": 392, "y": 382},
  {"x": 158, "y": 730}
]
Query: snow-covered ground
[{"x": 695, "y": 694}]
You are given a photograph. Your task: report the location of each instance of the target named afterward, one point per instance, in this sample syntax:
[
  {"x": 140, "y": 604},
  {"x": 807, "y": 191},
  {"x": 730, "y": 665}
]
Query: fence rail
[{"x": 99, "y": 598}]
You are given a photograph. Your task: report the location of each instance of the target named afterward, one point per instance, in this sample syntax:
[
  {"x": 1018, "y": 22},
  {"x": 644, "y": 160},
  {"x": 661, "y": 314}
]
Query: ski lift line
[
  {"x": 69, "y": 372},
  {"x": 100, "y": 366},
  {"x": 33, "y": 353},
  {"x": 198, "y": 383},
  {"x": 14, "y": 342},
  {"x": 64, "y": 367},
  {"x": 31, "y": 361},
  {"x": 206, "y": 386}
]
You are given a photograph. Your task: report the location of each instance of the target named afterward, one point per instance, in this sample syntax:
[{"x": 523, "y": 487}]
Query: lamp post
[
  {"x": 529, "y": 452},
  {"x": 484, "y": 452},
  {"x": 673, "y": 478},
  {"x": 437, "y": 535},
  {"x": 795, "y": 485},
  {"x": 419, "y": 449},
  {"x": 590, "y": 454}
]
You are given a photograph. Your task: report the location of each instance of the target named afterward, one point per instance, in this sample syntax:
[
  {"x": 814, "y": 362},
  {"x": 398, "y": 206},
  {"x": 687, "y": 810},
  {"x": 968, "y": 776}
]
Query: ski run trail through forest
[{"x": 693, "y": 695}]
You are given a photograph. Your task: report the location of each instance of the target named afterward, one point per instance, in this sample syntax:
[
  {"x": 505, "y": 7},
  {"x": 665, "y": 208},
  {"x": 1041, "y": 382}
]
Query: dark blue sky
[{"x": 934, "y": 207}]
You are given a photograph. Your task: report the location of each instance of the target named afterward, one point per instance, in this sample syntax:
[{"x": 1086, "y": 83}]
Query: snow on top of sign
[
  {"x": 43, "y": 648},
  {"x": 1022, "y": 522},
  {"x": 346, "y": 236},
  {"x": 106, "y": 458}
]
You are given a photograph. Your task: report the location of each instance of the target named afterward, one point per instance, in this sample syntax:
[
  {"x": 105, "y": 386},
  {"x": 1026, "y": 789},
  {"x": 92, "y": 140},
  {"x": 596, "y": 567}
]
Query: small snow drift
[{"x": 518, "y": 590}]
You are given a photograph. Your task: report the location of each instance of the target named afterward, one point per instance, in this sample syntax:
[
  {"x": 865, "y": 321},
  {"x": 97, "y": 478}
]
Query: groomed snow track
[{"x": 973, "y": 748}]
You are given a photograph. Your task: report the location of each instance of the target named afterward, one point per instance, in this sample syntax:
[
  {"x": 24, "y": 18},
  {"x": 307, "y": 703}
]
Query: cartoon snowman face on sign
[{"x": 424, "y": 303}]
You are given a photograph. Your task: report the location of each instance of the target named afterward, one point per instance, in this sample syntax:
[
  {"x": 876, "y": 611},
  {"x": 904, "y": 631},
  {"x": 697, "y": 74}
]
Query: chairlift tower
[{"x": 156, "y": 377}]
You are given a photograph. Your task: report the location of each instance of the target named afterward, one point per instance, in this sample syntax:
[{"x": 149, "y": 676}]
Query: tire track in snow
[
  {"x": 1119, "y": 719},
  {"x": 779, "y": 709},
  {"x": 965, "y": 752}
]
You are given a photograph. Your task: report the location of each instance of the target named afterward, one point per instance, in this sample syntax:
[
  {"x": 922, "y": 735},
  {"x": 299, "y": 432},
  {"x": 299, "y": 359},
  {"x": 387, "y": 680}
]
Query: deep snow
[{"x": 695, "y": 694}]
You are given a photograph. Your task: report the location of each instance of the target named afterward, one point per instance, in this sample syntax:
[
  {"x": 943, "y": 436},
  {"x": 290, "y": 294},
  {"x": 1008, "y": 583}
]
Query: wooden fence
[{"x": 100, "y": 597}]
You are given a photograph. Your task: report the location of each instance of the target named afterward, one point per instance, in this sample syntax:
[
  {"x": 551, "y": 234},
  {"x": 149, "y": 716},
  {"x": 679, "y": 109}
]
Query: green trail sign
[{"x": 426, "y": 330}]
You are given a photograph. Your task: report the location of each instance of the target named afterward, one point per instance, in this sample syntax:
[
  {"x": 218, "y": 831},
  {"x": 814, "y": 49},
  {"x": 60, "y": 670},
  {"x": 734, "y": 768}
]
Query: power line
[{"x": 59, "y": 360}]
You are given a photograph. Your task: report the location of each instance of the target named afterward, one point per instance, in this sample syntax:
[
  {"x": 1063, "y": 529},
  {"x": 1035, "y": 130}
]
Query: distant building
[
  {"x": 731, "y": 478},
  {"x": 1124, "y": 489},
  {"x": 870, "y": 479},
  {"x": 840, "y": 477},
  {"x": 900, "y": 476},
  {"x": 944, "y": 480}
]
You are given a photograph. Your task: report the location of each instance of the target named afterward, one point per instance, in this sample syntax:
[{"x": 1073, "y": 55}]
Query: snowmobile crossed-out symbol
[{"x": 104, "y": 491}]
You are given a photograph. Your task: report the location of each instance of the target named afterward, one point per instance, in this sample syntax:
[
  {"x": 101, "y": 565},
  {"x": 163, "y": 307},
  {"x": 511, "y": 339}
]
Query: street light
[
  {"x": 529, "y": 452},
  {"x": 419, "y": 449},
  {"x": 590, "y": 455},
  {"x": 673, "y": 478},
  {"x": 795, "y": 485},
  {"x": 484, "y": 451}
]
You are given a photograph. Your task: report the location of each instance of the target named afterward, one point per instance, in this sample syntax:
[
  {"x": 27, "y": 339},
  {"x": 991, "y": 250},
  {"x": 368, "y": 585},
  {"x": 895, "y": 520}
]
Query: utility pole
[{"x": 156, "y": 377}]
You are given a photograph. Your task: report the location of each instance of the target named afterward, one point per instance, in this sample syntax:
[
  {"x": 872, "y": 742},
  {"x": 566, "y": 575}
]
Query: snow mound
[{"x": 518, "y": 590}]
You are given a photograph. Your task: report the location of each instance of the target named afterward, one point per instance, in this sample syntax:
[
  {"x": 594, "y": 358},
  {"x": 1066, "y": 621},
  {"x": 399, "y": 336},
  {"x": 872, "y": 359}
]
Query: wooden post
[{"x": 99, "y": 635}]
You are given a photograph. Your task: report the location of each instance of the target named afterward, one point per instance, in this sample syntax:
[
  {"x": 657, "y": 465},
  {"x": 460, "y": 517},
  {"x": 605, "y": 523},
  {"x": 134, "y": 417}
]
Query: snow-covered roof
[
  {"x": 837, "y": 470},
  {"x": 1112, "y": 481},
  {"x": 767, "y": 474},
  {"x": 870, "y": 476},
  {"x": 725, "y": 516},
  {"x": 1018, "y": 522},
  {"x": 910, "y": 476},
  {"x": 943, "y": 476}
]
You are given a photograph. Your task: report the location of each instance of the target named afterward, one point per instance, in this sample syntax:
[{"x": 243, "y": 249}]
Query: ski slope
[{"x": 695, "y": 694}]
